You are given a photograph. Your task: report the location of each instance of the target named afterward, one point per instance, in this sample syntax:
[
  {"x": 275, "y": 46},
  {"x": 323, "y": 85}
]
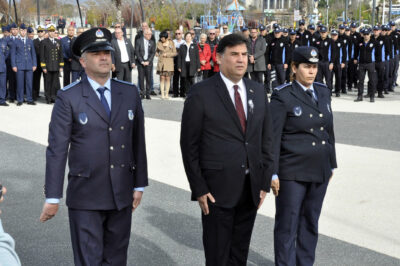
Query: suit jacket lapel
[
  {"x": 93, "y": 100},
  {"x": 299, "y": 93},
  {"x": 222, "y": 91},
  {"x": 321, "y": 99},
  {"x": 250, "y": 107},
  {"x": 116, "y": 100}
]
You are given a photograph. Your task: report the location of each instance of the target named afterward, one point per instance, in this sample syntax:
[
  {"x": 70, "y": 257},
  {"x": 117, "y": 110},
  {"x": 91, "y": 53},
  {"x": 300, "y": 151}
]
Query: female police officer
[{"x": 305, "y": 158}]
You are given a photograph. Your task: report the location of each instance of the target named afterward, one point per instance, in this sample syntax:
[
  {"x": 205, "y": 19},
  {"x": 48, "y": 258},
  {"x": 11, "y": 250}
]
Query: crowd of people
[{"x": 346, "y": 55}]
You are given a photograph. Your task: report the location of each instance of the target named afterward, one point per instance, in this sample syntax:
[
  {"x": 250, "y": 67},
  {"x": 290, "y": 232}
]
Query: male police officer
[
  {"x": 325, "y": 64},
  {"x": 345, "y": 39},
  {"x": 51, "y": 61},
  {"x": 352, "y": 76},
  {"x": 365, "y": 54},
  {"x": 11, "y": 75},
  {"x": 67, "y": 54},
  {"x": 38, "y": 72},
  {"x": 381, "y": 52},
  {"x": 339, "y": 60},
  {"x": 99, "y": 124},
  {"x": 23, "y": 62},
  {"x": 303, "y": 35},
  {"x": 277, "y": 57}
]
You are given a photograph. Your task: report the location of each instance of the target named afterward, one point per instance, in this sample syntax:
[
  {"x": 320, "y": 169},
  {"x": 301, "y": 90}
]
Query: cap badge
[
  {"x": 99, "y": 34},
  {"x": 83, "y": 119},
  {"x": 130, "y": 115},
  {"x": 314, "y": 53}
]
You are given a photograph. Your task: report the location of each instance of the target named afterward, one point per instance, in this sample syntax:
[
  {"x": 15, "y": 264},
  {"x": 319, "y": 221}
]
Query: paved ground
[{"x": 359, "y": 223}]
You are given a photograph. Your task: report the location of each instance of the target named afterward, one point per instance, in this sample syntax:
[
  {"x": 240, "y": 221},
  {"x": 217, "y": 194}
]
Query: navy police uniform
[
  {"x": 277, "y": 55},
  {"x": 66, "y": 43},
  {"x": 325, "y": 59},
  {"x": 37, "y": 74},
  {"x": 304, "y": 158},
  {"x": 339, "y": 58},
  {"x": 23, "y": 57},
  {"x": 11, "y": 75},
  {"x": 346, "y": 40},
  {"x": 4, "y": 53},
  {"x": 352, "y": 73},
  {"x": 106, "y": 155},
  {"x": 304, "y": 37}
]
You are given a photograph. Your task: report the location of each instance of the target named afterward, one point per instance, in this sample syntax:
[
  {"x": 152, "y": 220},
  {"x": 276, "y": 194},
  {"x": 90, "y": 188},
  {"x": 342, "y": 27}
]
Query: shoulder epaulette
[
  {"x": 282, "y": 86},
  {"x": 321, "y": 84},
  {"x": 124, "y": 82},
  {"x": 70, "y": 85}
]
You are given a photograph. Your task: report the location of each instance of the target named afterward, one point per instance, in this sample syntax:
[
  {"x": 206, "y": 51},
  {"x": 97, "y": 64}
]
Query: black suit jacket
[
  {"x": 106, "y": 156},
  {"x": 139, "y": 51},
  {"x": 36, "y": 44},
  {"x": 215, "y": 150},
  {"x": 51, "y": 57},
  {"x": 303, "y": 133},
  {"x": 194, "y": 59},
  {"x": 116, "y": 55}
]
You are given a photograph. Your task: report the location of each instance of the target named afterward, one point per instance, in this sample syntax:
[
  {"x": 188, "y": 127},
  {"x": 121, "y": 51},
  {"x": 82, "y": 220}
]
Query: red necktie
[{"x": 239, "y": 108}]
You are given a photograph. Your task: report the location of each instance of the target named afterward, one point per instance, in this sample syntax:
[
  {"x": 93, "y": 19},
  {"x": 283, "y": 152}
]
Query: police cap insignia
[
  {"x": 95, "y": 39},
  {"x": 305, "y": 54}
]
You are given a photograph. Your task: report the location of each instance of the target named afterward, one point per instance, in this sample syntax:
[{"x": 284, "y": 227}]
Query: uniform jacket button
[
  {"x": 322, "y": 128},
  {"x": 123, "y": 146},
  {"x": 111, "y": 148},
  {"x": 112, "y": 166},
  {"x": 310, "y": 115},
  {"x": 313, "y": 143},
  {"x": 79, "y": 174},
  {"x": 312, "y": 130},
  {"x": 243, "y": 166},
  {"x": 321, "y": 115},
  {"x": 323, "y": 142},
  {"x": 110, "y": 129},
  {"x": 122, "y": 165}
]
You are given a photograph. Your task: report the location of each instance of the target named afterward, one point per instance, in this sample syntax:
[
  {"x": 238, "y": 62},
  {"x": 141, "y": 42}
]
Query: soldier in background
[
  {"x": 37, "y": 74},
  {"x": 51, "y": 60},
  {"x": 66, "y": 44},
  {"x": 76, "y": 68},
  {"x": 11, "y": 75},
  {"x": 4, "y": 53},
  {"x": 303, "y": 35},
  {"x": 345, "y": 39}
]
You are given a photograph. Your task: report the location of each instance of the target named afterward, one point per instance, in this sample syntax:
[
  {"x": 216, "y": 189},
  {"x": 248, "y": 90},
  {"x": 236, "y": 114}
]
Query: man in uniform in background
[
  {"x": 51, "y": 60},
  {"x": 11, "y": 75},
  {"x": 37, "y": 74},
  {"x": 76, "y": 68},
  {"x": 4, "y": 54},
  {"x": 67, "y": 54},
  {"x": 23, "y": 63}
]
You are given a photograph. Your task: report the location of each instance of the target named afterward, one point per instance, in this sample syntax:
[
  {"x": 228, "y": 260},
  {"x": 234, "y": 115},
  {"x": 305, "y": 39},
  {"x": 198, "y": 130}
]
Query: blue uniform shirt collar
[
  {"x": 305, "y": 89},
  {"x": 96, "y": 85}
]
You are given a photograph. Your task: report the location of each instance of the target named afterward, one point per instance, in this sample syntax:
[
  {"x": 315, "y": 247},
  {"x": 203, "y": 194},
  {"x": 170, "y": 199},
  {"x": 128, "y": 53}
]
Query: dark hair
[
  {"x": 187, "y": 33},
  {"x": 164, "y": 34},
  {"x": 230, "y": 40},
  {"x": 293, "y": 75}
]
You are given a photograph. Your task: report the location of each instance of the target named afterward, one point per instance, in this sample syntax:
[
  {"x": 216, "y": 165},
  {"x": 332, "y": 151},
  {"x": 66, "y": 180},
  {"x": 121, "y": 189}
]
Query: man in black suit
[
  {"x": 38, "y": 72},
  {"x": 226, "y": 143},
  {"x": 123, "y": 56},
  {"x": 98, "y": 123},
  {"x": 145, "y": 50}
]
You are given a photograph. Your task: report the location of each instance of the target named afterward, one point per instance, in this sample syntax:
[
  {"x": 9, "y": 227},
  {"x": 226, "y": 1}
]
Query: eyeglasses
[
  {"x": 117, "y": 26},
  {"x": 212, "y": 33},
  {"x": 177, "y": 33},
  {"x": 225, "y": 28}
]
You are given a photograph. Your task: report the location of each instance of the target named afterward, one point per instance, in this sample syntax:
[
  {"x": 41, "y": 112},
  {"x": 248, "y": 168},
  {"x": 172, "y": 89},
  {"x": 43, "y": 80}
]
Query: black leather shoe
[
  {"x": 337, "y": 94},
  {"x": 372, "y": 100},
  {"x": 19, "y": 104},
  {"x": 31, "y": 103},
  {"x": 175, "y": 96},
  {"x": 52, "y": 101},
  {"x": 386, "y": 92},
  {"x": 359, "y": 99},
  {"x": 344, "y": 92},
  {"x": 11, "y": 101},
  {"x": 381, "y": 95},
  {"x": 152, "y": 93},
  {"x": 4, "y": 104},
  {"x": 148, "y": 97}
]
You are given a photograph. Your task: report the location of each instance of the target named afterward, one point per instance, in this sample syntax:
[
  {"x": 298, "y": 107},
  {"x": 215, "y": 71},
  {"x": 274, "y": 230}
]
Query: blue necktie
[{"x": 103, "y": 100}]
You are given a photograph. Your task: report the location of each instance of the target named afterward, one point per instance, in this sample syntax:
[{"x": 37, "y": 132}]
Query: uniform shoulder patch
[
  {"x": 282, "y": 86},
  {"x": 71, "y": 85},
  {"x": 124, "y": 82}
]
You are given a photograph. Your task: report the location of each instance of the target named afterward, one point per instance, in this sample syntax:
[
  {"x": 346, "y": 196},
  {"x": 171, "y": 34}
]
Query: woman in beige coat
[{"x": 166, "y": 52}]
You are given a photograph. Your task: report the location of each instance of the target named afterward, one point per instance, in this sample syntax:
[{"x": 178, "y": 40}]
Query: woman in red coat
[
  {"x": 204, "y": 55},
  {"x": 214, "y": 58}
]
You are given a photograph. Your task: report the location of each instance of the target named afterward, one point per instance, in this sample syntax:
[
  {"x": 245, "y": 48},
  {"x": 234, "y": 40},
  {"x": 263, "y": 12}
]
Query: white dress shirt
[
  {"x": 242, "y": 91},
  {"x": 146, "y": 49},
  {"x": 178, "y": 43},
  {"x": 124, "y": 52},
  {"x": 187, "y": 59}
]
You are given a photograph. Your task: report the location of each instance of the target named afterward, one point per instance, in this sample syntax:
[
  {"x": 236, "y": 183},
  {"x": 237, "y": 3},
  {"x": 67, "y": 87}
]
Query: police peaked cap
[
  {"x": 22, "y": 26},
  {"x": 93, "y": 40},
  {"x": 305, "y": 54}
]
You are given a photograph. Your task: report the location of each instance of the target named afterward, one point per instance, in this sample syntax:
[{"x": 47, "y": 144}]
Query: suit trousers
[
  {"x": 386, "y": 77},
  {"x": 396, "y": 68},
  {"x": 188, "y": 80},
  {"x": 100, "y": 237},
  {"x": 352, "y": 75},
  {"x": 3, "y": 86},
  {"x": 344, "y": 78},
  {"x": 24, "y": 83},
  {"x": 379, "y": 77},
  {"x": 52, "y": 85},
  {"x": 36, "y": 82},
  {"x": 227, "y": 231},
  {"x": 67, "y": 72},
  {"x": 267, "y": 81},
  {"x": 324, "y": 72},
  {"x": 145, "y": 75},
  {"x": 337, "y": 72},
  {"x": 370, "y": 68},
  {"x": 177, "y": 82},
  {"x": 124, "y": 73},
  {"x": 257, "y": 76},
  {"x": 298, "y": 207}
]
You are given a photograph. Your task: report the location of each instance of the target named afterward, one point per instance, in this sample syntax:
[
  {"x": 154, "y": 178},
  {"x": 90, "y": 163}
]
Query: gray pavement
[{"x": 166, "y": 228}]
